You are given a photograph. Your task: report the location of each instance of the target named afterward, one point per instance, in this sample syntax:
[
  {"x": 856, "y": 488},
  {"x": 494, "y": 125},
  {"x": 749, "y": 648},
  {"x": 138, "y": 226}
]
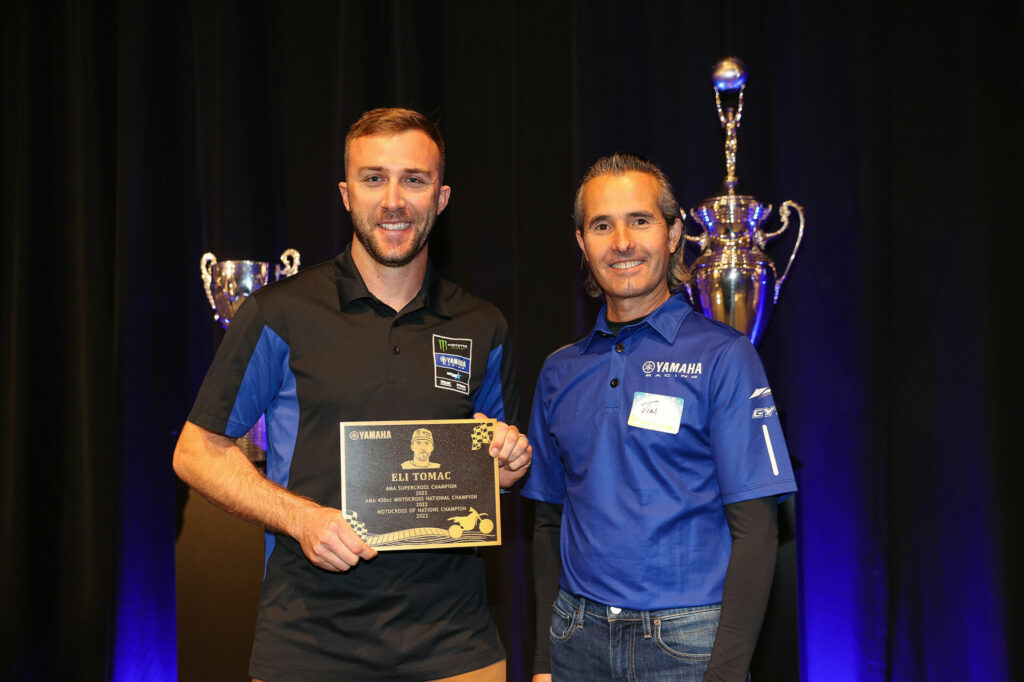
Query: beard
[{"x": 393, "y": 256}]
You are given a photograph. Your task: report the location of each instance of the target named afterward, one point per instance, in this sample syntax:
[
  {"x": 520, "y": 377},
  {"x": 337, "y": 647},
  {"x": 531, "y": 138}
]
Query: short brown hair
[
  {"x": 621, "y": 163},
  {"x": 392, "y": 121}
]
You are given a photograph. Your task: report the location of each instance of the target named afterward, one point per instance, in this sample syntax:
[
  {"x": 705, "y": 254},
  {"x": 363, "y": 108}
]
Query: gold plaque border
[{"x": 406, "y": 422}]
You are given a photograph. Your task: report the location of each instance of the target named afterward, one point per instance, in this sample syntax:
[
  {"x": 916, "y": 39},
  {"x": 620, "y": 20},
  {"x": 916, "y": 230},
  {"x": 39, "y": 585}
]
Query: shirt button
[
  {"x": 619, "y": 348},
  {"x": 614, "y": 383},
  {"x": 615, "y": 610},
  {"x": 396, "y": 350}
]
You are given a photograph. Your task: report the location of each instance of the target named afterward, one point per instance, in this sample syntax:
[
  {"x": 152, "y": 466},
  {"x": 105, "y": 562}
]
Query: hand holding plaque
[{"x": 420, "y": 485}]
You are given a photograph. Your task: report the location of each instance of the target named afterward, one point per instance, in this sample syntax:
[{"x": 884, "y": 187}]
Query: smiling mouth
[
  {"x": 394, "y": 227},
  {"x": 625, "y": 265}
]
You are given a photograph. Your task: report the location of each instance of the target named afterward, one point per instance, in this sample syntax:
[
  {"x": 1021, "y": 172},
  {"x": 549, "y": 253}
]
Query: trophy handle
[
  {"x": 784, "y": 215},
  {"x": 206, "y": 264},
  {"x": 705, "y": 237},
  {"x": 290, "y": 258}
]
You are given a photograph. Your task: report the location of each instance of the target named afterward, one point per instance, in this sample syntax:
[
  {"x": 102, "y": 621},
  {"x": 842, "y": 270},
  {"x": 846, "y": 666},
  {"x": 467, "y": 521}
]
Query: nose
[
  {"x": 622, "y": 239},
  {"x": 393, "y": 199}
]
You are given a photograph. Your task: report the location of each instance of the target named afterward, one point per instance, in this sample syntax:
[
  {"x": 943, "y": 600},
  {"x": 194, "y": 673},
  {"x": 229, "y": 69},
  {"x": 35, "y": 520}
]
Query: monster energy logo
[{"x": 459, "y": 346}]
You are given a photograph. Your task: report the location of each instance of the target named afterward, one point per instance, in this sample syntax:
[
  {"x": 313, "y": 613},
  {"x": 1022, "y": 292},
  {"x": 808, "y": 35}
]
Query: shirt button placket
[
  {"x": 617, "y": 369},
  {"x": 396, "y": 351}
]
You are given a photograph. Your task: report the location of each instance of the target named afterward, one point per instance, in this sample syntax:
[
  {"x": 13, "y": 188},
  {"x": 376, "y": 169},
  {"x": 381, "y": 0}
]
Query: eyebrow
[
  {"x": 405, "y": 171},
  {"x": 631, "y": 214}
]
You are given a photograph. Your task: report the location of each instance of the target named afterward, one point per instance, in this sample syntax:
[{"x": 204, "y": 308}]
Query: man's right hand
[
  {"x": 215, "y": 466},
  {"x": 329, "y": 542}
]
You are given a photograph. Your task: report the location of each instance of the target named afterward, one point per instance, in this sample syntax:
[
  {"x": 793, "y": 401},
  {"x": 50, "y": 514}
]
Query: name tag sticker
[{"x": 656, "y": 412}]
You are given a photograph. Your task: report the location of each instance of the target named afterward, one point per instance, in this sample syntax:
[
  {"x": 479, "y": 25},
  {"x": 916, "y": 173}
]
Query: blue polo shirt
[{"x": 643, "y": 522}]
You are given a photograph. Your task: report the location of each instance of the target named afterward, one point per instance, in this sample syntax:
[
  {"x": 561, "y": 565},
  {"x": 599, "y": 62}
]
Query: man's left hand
[{"x": 512, "y": 450}]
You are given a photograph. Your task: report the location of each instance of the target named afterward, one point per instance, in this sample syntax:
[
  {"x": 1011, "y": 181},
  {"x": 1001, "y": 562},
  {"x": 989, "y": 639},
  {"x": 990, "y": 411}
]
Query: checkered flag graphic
[
  {"x": 358, "y": 526},
  {"x": 482, "y": 434}
]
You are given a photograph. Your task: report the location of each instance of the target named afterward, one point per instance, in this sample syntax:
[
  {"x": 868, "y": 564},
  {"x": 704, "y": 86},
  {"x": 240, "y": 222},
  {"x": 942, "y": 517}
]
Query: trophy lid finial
[{"x": 729, "y": 74}]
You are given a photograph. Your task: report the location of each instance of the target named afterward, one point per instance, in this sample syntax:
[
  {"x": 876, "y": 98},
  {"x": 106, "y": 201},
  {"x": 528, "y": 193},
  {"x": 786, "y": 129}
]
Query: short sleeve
[
  {"x": 245, "y": 376},
  {"x": 546, "y": 480},
  {"x": 498, "y": 395},
  {"x": 749, "y": 450}
]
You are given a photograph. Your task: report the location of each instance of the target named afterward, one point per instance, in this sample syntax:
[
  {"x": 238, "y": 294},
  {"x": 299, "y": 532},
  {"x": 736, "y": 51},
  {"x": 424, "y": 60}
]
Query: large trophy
[
  {"x": 736, "y": 281},
  {"x": 228, "y": 283}
]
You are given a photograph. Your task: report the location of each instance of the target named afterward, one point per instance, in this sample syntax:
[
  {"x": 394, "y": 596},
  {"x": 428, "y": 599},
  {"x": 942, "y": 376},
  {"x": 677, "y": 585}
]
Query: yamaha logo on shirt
[
  {"x": 675, "y": 370},
  {"x": 452, "y": 361}
]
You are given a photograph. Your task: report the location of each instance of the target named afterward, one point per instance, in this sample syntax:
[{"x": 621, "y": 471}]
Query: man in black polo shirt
[{"x": 354, "y": 340}]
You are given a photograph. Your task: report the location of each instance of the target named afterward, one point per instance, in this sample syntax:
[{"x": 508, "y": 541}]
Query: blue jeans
[{"x": 592, "y": 641}]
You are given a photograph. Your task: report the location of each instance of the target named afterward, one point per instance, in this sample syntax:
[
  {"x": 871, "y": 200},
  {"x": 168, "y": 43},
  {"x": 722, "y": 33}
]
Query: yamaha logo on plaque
[{"x": 419, "y": 485}]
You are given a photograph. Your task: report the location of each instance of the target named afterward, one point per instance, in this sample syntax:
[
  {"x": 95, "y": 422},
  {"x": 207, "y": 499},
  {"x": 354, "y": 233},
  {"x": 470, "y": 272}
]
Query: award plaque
[{"x": 420, "y": 485}]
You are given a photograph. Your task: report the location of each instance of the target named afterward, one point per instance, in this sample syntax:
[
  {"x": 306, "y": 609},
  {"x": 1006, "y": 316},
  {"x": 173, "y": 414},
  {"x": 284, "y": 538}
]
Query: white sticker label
[{"x": 656, "y": 412}]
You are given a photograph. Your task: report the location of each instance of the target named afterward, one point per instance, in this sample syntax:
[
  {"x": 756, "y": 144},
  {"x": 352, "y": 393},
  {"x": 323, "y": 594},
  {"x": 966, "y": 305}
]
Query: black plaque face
[{"x": 420, "y": 485}]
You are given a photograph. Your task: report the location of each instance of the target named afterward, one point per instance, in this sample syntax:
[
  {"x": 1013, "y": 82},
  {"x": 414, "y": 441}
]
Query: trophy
[
  {"x": 737, "y": 283},
  {"x": 228, "y": 283}
]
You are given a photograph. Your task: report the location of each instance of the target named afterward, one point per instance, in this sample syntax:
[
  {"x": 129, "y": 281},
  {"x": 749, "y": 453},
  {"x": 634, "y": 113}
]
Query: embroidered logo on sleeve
[{"x": 452, "y": 361}]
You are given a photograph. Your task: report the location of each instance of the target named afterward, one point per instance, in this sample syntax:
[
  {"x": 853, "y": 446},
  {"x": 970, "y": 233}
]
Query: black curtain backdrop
[{"x": 137, "y": 135}]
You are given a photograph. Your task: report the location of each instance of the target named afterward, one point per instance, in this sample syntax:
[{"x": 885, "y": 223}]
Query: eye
[
  {"x": 642, "y": 221},
  {"x": 373, "y": 179},
  {"x": 600, "y": 227}
]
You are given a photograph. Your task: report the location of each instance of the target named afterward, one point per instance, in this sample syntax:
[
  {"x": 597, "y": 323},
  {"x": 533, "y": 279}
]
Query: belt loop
[
  {"x": 645, "y": 616},
  {"x": 581, "y": 611}
]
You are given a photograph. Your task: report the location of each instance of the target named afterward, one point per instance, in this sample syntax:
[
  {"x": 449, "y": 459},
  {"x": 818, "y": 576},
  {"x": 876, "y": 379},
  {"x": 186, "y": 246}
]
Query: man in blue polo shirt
[{"x": 657, "y": 465}]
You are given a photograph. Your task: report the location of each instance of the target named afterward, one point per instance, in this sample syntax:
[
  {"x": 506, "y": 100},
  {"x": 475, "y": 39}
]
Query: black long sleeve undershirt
[
  {"x": 753, "y": 525},
  {"x": 547, "y": 567}
]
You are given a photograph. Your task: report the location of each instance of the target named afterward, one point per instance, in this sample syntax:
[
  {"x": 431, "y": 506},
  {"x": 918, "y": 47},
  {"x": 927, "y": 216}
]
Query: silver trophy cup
[
  {"x": 228, "y": 283},
  {"x": 736, "y": 282}
]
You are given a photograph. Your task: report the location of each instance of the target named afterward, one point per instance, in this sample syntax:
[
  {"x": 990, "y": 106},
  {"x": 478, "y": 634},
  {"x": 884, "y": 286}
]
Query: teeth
[
  {"x": 394, "y": 226},
  {"x": 626, "y": 264}
]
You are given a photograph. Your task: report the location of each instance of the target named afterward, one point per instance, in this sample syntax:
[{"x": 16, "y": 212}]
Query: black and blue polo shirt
[{"x": 317, "y": 349}]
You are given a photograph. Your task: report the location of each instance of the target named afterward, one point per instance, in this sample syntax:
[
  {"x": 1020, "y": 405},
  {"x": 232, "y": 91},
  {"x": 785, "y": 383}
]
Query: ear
[
  {"x": 675, "y": 233},
  {"x": 583, "y": 247},
  {"x": 343, "y": 188},
  {"x": 442, "y": 198}
]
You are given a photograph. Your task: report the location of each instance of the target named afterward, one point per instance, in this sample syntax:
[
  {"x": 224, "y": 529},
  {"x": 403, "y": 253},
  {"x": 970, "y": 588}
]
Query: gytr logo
[
  {"x": 763, "y": 412},
  {"x": 761, "y": 392}
]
